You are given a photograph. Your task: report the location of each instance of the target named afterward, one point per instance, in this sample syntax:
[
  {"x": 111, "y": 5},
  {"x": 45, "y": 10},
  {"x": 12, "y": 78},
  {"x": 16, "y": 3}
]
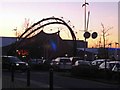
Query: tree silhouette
[{"x": 105, "y": 34}]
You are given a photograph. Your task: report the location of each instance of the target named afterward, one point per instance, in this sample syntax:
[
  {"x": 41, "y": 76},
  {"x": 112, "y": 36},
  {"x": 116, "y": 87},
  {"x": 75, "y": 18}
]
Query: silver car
[
  {"x": 98, "y": 61},
  {"x": 63, "y": 63},
  {"x": 111, "y": 65}
]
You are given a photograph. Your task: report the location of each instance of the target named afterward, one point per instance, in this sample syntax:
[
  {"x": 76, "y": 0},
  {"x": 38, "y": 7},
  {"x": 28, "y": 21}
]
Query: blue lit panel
[{"x": 53, "y": 45}]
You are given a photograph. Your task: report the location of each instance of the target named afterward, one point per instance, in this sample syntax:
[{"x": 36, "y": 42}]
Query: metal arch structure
[{"x": 56, "y": 21}]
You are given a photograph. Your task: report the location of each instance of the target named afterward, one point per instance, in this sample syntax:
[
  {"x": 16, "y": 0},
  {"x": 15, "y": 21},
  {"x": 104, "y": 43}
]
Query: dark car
[
  {"x": 64, "y": 63},
  {"x": 9, "y": 61},
  {"x": 84, "y": 68},
  {"x": 36, "y": 64}
]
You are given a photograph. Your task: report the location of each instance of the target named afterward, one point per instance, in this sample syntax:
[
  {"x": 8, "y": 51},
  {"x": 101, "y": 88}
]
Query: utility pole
[
  {"x": 85, "y": 5},
  {"x": 86, "y": 34}
]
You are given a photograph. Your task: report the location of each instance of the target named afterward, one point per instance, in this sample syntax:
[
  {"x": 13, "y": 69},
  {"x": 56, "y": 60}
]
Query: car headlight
[
  {"x": 26, "y": 64},
  {"x": 17, "y": 64},
  {"x": 57, "y": 63}
]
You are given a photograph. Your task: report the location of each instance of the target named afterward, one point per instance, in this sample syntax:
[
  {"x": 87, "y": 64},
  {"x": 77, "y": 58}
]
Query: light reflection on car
[
  {"x": 97, "y": 62},
  {"x": 74, "y": 59}
]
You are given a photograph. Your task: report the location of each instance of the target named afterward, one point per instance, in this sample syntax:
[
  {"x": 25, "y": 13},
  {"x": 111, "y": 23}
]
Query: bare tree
[
  {"x": 105, "y": 34},
  {"x": 26, "y": 24}
]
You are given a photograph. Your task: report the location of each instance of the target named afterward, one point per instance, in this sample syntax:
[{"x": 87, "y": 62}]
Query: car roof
[
  {"x": 101, "y": 59},
  {"x": 114, "y": 62},
  {"x": 58, "y": 58},
  {"x": 63, "y": 58}
]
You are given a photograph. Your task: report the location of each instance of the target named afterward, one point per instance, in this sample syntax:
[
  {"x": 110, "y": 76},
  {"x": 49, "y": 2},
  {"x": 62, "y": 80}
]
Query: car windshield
[
  {"x": 83, "y": 63},
  {"x": 15, "y": 59}
]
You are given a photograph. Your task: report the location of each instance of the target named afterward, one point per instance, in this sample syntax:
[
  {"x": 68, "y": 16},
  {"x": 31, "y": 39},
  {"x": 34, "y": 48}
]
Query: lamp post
[
  {"x": 116, "y": 45},
  {"x": 16, "y": 33},
  {"x": 84, "y": 5},
  {"x": 116, "y": 50},
  {"x": 86, "y": 36}
]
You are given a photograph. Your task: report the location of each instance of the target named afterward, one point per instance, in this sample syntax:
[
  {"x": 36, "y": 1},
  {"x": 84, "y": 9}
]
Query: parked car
[
  {"x": 54, "y": 63},
  {"x": 99, "y": 61},
  {"x": 82, "y": 62},
  {"x": 8, "y": 61},
  {"x": 62, "y": 63},
  {"x": 111, "y": 65},
  {"x": 116, "y": 67},
  {"x": 65, "y": 63},
  {"x": 83, "y": 67},
  {"x": 74, "y": 59},
  {"x": 36, "y": 61}
]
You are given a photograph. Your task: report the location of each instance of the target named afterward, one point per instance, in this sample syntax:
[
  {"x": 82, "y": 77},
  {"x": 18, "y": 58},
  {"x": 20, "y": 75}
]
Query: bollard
[
  {"x": 105, "y": 71},
  {"x": 12, "y": 72},
  {"x": 119, "y": 77},
  {"x": 51, "y": 78},
  {"x": 28, "y": 76}
]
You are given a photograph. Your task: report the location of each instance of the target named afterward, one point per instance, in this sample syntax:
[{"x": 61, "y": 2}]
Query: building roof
[{"x": 7, "y": 41}]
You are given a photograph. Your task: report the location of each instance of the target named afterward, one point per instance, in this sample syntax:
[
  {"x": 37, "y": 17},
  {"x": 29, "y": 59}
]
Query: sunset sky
[{"x": 13, "y": 14}]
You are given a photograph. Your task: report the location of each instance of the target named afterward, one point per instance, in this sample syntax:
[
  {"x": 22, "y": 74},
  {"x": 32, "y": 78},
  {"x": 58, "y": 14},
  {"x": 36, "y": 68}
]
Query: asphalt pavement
[{"x": 40, "y": 81}]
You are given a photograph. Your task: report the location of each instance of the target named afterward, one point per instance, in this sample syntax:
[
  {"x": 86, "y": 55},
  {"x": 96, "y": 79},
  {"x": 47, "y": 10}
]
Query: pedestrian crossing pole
[
  {"x": 12, "y": 72},
  {"x": 51, "y": 78},
  {"x": 28, "y": 76}
]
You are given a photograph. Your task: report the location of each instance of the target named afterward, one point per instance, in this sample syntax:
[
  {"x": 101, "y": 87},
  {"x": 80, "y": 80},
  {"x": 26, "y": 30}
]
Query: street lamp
[
  {"x": 87, "y": 34},
  {"x": 110, "y": 44},
  {"x": 116, "y": 45},
  {"x": 16, "y": 33},
  {"x": 84, "y": 5}
]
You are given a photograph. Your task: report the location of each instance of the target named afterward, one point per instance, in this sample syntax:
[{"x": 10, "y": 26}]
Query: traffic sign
[
  {"x": 94, "y": 35},
  {"x": 86, "y": 35}
]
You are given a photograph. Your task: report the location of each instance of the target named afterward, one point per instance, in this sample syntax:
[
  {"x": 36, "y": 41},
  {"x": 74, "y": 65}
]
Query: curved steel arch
[
  {"x": 51, "y": 18},
  {"x": 57, "y": 22},
  {"x": 72, "y": 33}
]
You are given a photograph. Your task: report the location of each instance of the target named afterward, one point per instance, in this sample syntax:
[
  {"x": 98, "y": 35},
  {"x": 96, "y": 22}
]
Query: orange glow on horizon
[{"x": 13, "y": 15}]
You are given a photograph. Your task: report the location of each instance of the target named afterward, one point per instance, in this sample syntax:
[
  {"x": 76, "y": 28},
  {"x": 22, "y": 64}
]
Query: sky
[{"x": 13, "y": 14}]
